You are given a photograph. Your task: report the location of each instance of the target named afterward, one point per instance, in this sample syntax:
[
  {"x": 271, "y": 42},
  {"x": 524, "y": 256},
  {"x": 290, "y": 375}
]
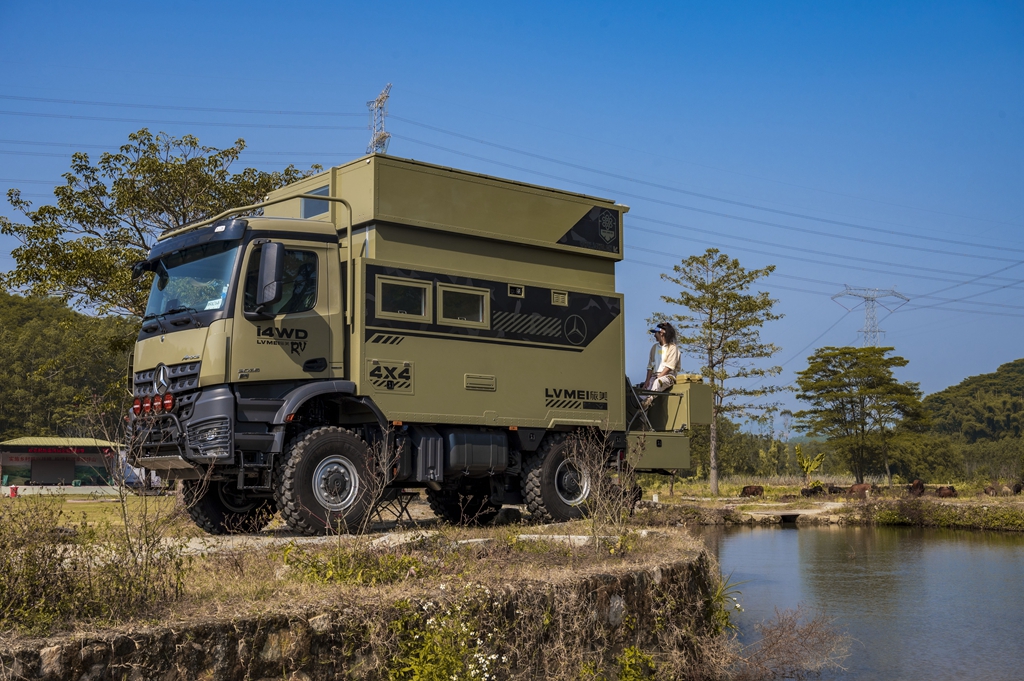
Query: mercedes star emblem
[
  {"x": 161, "y": 381},
  {"x": 575, "y": 329}
]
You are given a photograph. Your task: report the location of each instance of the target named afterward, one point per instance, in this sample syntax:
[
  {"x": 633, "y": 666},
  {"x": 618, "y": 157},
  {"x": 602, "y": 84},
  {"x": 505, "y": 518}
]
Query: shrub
[
  {"x": 55, "y": 570},
  {"x": 351, "y": 565}
]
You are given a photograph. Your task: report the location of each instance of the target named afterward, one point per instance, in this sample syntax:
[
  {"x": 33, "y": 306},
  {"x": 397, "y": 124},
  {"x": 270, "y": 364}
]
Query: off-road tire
[
  {"x": 459, "y": 508},
  {"x": 293, "y": 486},
  {"x": 538, "y": 480},
  {"x": 218, "y": 508}
]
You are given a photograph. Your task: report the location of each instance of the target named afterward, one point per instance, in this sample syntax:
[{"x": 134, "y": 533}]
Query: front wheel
[
  {"x": 219, "y": 507},
  {"x": 556, "y": 489},
  {"x": 323, "y": 484}
]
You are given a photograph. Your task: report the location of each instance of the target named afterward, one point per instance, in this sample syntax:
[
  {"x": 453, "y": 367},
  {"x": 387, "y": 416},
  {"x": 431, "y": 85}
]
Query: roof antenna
[{"x": 378, "y": 112}]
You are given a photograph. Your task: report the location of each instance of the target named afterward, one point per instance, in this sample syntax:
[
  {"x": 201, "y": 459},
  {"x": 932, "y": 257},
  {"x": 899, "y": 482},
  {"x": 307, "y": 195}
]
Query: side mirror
[
  {"x": 140, "y": 268},
  {"x": 270, "y": 286}
]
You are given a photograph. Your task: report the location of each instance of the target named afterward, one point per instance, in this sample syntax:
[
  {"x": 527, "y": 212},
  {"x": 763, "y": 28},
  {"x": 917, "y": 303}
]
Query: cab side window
[{"x": 300, "y": 271}]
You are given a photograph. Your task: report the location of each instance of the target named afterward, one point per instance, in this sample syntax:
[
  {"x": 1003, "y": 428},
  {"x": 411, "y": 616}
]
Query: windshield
[{"x": 193, "y": 279}]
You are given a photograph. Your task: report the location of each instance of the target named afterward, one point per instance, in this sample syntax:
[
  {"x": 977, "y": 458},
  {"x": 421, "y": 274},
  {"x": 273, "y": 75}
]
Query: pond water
[{"x": 919, "y": 604}]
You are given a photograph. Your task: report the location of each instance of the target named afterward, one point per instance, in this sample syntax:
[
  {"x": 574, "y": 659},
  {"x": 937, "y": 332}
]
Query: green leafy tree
[
  {"x": 809, "y": 464},
  {"x": 61, "y": 372},
  {"x": 108, "y": 215},
  {"x": 722, "y": 328},
  {"x": 857, "y": 403}
]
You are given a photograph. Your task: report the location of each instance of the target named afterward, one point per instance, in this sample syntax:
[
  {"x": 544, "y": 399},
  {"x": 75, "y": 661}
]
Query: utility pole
[
  {"x": 870, "y": 298},
  {"x": 378, "y": 112}
]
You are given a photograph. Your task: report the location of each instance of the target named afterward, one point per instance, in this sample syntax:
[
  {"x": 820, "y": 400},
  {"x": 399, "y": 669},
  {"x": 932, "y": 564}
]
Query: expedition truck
[{"x": 458, "y": 325}]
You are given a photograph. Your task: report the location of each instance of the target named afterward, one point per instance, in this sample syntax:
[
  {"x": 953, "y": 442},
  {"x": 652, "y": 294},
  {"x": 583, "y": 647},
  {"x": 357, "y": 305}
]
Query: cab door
[{"x": 293, "y": 340}]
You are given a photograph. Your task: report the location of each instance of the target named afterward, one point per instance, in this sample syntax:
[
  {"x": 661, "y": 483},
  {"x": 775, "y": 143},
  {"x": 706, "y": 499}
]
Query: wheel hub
[
  {"x": 335, "y": 483},
  {"x": 571, "y": 484}
]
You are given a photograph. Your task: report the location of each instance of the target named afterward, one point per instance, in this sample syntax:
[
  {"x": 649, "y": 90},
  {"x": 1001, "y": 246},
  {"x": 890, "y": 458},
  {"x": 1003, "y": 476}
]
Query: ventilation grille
[{"x": 481, "y": 382}]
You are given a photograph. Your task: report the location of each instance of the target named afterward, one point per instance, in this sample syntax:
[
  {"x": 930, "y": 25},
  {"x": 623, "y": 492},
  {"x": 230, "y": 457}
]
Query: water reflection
[{"x": 921, "y": 604}]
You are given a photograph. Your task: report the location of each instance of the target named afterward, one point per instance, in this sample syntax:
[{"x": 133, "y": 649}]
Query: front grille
[
  {"x": 183, "y": 378},
  {"x": 210, "y": 438},
  {"x": 158, "y": 433}
]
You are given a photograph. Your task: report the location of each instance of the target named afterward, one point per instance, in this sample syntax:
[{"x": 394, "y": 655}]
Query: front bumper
[{"x": 199, "y": 435}]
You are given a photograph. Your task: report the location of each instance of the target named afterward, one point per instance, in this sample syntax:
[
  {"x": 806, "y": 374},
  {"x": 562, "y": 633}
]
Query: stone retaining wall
[{"x": 594, "y": 616}]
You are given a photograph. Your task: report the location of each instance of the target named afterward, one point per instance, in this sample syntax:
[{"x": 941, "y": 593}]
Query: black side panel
[
  {"x": 598, "y": 230},
  {"x": 566, "y": 320},
  {"x": 260, "y": 402},
  {"x": 526, "y": 439},
  {"x": 428, "y": 448},
  {"x": 472, "y": 452}
]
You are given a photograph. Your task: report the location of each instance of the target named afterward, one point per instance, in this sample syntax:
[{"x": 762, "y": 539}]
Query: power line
[
  {"x": 19, "y": 152},
  {"x": 705, "y": 211},
  {"x": 116, "y": 148},
  {"x": 687, "y": 192},
  {"x": 803, "y": 250},
  {"x": 648, "y": 152},
  {"x": 172, "y": 107},
  {"x": 823, "y": 293},
  {"x": 912, "y": 295},
  {"x": 196, "y": 123}
]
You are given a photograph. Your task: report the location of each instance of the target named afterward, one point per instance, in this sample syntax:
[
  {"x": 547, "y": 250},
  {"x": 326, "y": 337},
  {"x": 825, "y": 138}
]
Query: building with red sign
[{"x": 57, "y": 461}]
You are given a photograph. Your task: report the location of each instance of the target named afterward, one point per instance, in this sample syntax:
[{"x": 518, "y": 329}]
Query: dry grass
[
  {"x": 243, "y": 582},
  {"x": 538, "y": 619}
]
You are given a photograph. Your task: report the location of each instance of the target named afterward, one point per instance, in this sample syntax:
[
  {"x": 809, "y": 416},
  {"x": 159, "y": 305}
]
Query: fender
[{"x": 302, "y": 394}]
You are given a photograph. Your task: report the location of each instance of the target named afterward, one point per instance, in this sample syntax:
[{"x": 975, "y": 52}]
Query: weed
[
  {"x": 448, "y": 644},
  {"x": 793, "y": 646},
  {"x": 346, "y": 565},
  {"x": 55, "y": 569},
  {"x": 722, "y": 601},
  {"x": 635, "y": 665}
]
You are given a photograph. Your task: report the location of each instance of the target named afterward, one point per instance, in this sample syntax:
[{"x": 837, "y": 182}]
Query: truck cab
[{"x": 384, "y": 325}]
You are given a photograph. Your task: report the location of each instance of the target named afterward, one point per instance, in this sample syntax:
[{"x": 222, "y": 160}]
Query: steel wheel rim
[
  {"x": 571, "y": 484},
  {"x": 335, "y": 483}
]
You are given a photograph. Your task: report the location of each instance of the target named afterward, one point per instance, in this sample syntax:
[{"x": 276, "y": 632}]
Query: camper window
[
  {"x": 312, "y": 207},
  {"x": 463, "y": 306},
  {"x": 403, "y": 299}
]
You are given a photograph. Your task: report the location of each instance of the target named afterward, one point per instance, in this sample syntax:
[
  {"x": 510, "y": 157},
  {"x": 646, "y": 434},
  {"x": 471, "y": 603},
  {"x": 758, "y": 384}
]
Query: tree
[
  {"x": 722, "y": 329},
  {"x": 809, "y": 464},
  {"x": 108, "y": 215},
  {"x": 857, "y": 403},
  {"x": 59, "y": 369}
]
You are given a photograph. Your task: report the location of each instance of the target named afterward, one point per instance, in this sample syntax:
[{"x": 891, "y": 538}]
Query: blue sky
[{"x": 874, "y": 144}]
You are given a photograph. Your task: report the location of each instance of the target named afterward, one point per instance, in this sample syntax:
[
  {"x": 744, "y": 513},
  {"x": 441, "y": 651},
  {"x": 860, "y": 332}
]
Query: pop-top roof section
[{"x": 396, "y": 190}]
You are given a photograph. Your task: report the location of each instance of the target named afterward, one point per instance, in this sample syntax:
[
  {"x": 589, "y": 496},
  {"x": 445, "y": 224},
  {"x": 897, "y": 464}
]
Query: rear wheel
[
  {"x": 555, "y": 488},
  {"x": 323, "y": 483},
  {"x": 463, "y": 508},
  {"x": 219, "y": 507}
]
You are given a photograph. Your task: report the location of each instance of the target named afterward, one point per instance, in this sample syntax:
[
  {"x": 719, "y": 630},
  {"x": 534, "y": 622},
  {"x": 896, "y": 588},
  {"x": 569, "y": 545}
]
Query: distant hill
[
  {"x": 60, "y": 370},
  {"x": 983, "y": 407}
]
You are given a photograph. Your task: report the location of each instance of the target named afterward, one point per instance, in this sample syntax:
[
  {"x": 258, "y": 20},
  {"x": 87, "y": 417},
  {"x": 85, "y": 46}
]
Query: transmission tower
[
  {"x": 378, "y": 112},
  {"x": 871, "y": 298}
]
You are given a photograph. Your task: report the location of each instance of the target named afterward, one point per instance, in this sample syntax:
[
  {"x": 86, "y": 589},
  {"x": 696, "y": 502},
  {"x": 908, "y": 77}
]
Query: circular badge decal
[{"x": 575, "y": 329}]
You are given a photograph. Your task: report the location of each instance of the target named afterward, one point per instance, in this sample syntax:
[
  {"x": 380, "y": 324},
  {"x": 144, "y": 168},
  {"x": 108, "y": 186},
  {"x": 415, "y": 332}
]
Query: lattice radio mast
[
  {"x": 870, "y": 298},
  {"x": 378, "y": 112}
]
